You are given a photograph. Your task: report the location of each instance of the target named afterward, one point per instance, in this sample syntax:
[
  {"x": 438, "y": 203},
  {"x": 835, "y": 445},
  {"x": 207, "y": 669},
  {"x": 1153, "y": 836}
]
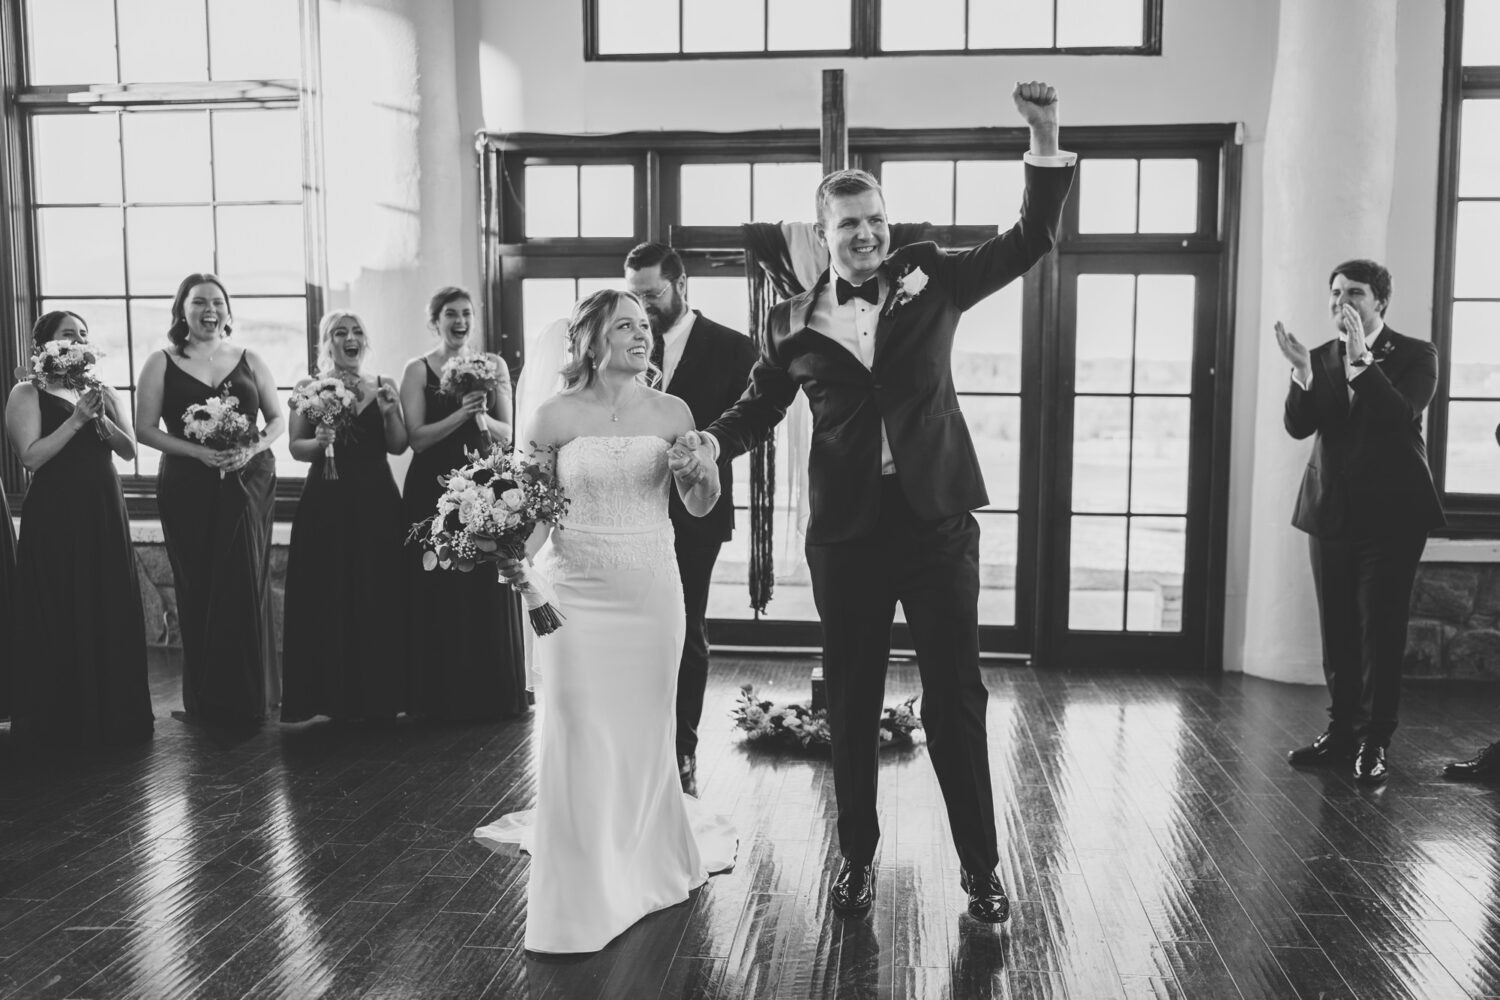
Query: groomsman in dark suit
[
  {"x": 707, "y": 366},
  {"x": 893, "y": 478},
  {"x": 1367, "y": 502}
]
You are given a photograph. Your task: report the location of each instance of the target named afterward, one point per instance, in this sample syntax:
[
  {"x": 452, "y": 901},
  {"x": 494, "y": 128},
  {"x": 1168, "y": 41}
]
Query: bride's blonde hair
[{"x": 587, "y": 328}]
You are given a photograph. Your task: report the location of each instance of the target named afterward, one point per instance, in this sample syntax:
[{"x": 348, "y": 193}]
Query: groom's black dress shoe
[
  {"x": 1369, "y": 764},
  {"x": 1329, "y": 748},
  {"x": 854, "y": 889},
  {"x": 987, "y": 900},
  {"x": 1483, "y": 766}
]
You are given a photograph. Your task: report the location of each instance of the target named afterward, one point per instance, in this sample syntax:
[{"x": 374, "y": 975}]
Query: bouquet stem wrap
[
  {"x": 541, "y": 601},
  {"x": 330, "y": 470}
]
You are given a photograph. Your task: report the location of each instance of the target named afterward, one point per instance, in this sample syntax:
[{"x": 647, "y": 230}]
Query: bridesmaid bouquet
[
  {"x": 486, "y": 513},
  {"x": 327, "y": 402},
  {"x": 218, "y": 423},
  {"x": 71, "y": 365},
  {"x": 466, "y": 373}
]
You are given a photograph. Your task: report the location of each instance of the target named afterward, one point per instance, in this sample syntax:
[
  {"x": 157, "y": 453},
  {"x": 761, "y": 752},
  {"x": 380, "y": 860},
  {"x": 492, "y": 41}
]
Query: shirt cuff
[
  {"x": 1061, "y": 158},
  {"x": 713, "y": 445},
  {"x": 1299, "y": 383}
]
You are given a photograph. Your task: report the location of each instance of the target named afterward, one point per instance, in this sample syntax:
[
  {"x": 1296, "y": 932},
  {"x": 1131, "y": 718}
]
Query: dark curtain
[{"x": 772, "y": 279}]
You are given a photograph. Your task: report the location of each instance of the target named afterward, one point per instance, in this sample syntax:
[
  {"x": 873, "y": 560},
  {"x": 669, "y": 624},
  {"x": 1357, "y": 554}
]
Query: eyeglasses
[{"x": 657, "y": 295}]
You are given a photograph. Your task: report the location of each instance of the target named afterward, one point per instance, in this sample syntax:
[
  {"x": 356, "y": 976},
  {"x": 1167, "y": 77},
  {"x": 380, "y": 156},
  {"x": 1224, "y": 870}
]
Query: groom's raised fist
[{"x": 1037, "y": 103}]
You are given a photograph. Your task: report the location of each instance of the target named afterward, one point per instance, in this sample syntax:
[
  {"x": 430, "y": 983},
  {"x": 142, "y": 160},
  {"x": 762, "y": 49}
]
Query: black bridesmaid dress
[
  {"x": 218, "y": 535},
  {"x": 466, "y": 654},
  {"x": 344, "y": 621},
  {"x": 7, "y": 601},
  {"x": 79, "y": 669}
]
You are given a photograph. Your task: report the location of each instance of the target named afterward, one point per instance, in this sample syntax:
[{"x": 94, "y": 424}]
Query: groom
[{"x": 893, "y": 478}]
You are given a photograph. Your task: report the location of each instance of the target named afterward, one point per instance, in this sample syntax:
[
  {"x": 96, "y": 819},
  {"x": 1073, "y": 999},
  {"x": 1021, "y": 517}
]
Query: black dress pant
[
  {"x": 1364, "y": 600},
  {"x": 695, "y": 562},
  {"x": 932, "y": 568}
]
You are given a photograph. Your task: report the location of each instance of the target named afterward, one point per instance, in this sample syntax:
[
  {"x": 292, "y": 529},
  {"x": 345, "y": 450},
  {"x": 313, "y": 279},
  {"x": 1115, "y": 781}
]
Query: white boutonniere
[{"x": 908, "y": 287}]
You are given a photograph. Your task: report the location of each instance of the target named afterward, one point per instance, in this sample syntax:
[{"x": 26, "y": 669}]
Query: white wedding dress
[{"x": 612, "y": 837}]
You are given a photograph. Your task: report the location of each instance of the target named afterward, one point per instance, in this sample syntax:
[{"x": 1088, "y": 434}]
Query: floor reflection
[{"x": 1152, "y": 837}]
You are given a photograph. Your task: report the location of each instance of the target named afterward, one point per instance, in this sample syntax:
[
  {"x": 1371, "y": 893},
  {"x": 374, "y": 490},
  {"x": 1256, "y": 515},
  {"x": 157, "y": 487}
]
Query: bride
[{"x": 612, "y": 836}]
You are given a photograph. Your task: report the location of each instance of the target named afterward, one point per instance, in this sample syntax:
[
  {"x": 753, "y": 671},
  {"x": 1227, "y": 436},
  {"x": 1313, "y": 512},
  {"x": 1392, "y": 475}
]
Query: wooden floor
[{"x": 1154, "y": 841}]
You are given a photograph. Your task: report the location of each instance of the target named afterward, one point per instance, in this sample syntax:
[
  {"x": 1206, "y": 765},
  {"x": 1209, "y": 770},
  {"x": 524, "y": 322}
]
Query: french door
[{"x": 1126, "y": 548}]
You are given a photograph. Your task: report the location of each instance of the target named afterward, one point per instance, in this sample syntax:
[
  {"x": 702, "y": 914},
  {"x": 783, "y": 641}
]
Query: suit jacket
[
  {"x": 909, "y": 387},
  {"x": 709, "y": 377},
  {"x": 1368, "y": 471}
]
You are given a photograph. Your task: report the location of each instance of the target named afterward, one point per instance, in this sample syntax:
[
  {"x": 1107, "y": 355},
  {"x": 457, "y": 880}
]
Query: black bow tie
[{"x": 869, "y": 291}]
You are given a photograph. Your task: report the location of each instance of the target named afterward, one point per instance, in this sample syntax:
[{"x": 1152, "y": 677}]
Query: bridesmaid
[
  {"x": 342, "y": 640},
  {"x": 466, "y": 656},
  {"x": 217, "y": 527},
  {"x": 80, "y": 659}
]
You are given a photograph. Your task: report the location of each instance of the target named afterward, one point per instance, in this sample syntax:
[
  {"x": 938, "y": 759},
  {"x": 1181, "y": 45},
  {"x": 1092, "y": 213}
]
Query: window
[
  {"x": 1466, "y": 413},
  {"x": 159, "y": 138},
  {"x": 694, "y": 29},
  {"x": 1087, "y": 362}
]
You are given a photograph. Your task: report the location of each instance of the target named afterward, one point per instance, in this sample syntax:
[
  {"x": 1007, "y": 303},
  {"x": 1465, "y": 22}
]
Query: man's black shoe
[
  {"x": 1483, "y": 766},
  {"x": 1369, "y": 764},
  {"x": 687, "y": 773},
  {"x": 987, "y": 900},
  {"x": 854, "y": 889},
  {"x": 1329, "y": 748}
]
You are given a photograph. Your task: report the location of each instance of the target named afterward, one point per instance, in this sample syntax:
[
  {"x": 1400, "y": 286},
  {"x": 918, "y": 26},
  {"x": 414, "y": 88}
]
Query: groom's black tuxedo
[
  {"x": 875, "y": 540},
  {"x": 909, "y": 387},
  {"x": 1368, "y": 502}
]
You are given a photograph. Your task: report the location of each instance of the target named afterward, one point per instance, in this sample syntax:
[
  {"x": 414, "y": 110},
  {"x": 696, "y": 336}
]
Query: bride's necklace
[{"x": 614, "y": 410}]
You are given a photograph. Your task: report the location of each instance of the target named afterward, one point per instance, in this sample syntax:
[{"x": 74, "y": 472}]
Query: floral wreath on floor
[{"x": 795, "y": 725}]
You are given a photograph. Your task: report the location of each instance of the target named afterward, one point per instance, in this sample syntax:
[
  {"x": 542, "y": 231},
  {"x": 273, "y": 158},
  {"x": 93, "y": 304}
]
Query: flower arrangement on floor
[
  {"x": 769, "y": 723},
  {"x": 218, "y": 423},
  {"x": 486, "y": 513},
  {"x": 327, "y": 402},
  {"x": 466, "y": 373}
]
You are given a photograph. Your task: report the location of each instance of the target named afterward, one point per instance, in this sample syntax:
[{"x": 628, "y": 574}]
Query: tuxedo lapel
[{"x": 802, "y": 307}]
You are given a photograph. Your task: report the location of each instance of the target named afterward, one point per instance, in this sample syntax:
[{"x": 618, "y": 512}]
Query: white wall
[{"x": 437, "y": 70}]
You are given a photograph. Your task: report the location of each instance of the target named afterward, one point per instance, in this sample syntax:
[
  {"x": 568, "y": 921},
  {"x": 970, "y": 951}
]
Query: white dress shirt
[
  {"x": 673, "y": 343},
  {"x": 852, "y": 327}
]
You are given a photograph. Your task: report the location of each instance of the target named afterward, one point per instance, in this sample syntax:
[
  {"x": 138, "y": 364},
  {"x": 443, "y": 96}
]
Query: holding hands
[{"x": 691, "y": 460}]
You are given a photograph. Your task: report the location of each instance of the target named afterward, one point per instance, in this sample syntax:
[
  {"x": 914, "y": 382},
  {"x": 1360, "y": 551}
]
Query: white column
[{"x": 1329, "y": 162}]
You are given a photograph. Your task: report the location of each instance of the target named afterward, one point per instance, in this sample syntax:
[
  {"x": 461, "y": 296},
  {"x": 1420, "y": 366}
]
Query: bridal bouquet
[
  {"x": 486, "y": 513},
  {"x": 797, "y": 725},
  {"x": 327, "y": 402},
  {"x": 466, "y": 373},
  {"x": 218, "y": 423},
  {"x": 71, "y": 365}
]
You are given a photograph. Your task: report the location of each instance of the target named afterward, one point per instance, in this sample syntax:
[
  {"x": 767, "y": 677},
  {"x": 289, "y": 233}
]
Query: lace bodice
[{"x": 617, "y": 511}]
